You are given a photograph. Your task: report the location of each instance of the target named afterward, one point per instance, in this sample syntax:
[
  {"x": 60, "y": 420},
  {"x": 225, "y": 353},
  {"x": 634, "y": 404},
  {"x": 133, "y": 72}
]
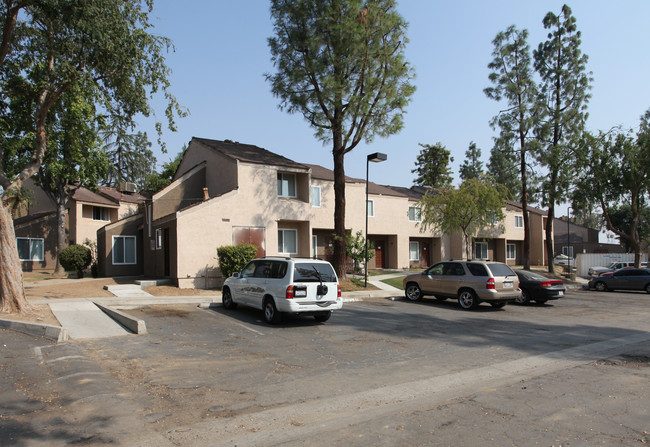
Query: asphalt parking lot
[{"x": 381, "y": 372}]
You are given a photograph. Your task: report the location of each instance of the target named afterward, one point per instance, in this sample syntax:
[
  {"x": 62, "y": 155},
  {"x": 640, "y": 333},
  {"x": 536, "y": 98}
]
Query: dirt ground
[{"x": 41, "y": 286}]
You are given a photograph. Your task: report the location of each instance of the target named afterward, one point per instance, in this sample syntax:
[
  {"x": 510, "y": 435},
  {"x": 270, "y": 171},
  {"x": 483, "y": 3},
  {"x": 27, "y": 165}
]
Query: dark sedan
[
  {"x": 538, "y": 288},
  {"x": 623, "y": 279}
]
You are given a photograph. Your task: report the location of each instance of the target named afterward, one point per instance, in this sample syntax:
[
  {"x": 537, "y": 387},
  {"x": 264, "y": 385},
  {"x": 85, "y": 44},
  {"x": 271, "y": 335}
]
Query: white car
[
  {"x": 598, "y": 270},
  {"x": 562, "y": 260},
  {"x": 279, "y": 285}
]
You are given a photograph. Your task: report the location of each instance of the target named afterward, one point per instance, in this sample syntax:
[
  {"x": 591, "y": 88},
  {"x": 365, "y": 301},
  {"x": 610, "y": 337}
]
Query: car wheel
[
  {"x": 271, "y": 314},
  {"x": 413, "y": 292},
  {"x": 524, "y": 298},
  {"x": 600, "y": 286},
  {"x": 647, "y": 288},
  {"x": 498, "y": 305},
  {"x": 226, "y": 299},
  {"x": 322, "y": 317},
  {"x": 468, "y": 299}
]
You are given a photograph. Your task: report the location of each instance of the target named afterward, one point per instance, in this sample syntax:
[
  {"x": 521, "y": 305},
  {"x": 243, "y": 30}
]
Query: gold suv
[{"x": 471, "y": 282}]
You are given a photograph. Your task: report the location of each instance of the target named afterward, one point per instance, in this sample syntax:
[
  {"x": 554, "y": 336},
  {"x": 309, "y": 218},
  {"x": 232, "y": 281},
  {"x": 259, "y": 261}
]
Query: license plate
[
  {"x": 300, "y": 293},
  {"x": 507, "y": 285},
  {"x": 560, "y": 293}
]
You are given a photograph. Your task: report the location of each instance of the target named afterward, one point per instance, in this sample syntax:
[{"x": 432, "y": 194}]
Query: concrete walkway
[
  {"x": 83, "y": 319},
  {"x": 127, "y": 290}
]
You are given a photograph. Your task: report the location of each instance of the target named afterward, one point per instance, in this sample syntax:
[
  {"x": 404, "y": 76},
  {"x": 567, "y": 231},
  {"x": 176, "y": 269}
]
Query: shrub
[
  {"x": 233, "y": 258},
  {"x": 76, "y": 257}
]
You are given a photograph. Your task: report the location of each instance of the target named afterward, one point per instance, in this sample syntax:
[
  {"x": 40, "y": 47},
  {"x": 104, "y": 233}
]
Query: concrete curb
[
  {"x": 49, "y": 332},
  {"x": 131, "y": 323}
]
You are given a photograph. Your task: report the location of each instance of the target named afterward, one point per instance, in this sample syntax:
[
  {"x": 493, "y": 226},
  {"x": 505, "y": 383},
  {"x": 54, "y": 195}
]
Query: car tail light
[
  {"x": 490, "y": 284},
  {"x": 289, "y": 294},
  {"x": 338, "y": 291},
  {"x": 551, "y": 283}
]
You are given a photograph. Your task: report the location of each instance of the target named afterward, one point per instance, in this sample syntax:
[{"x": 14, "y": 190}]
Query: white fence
[{"x": 586, "y": 260}]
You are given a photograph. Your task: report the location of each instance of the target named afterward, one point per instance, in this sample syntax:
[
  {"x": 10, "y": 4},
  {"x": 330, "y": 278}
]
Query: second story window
[
  {"x": 101, "y": 213},
  {"x": 370, "y": 208},
  {"x": 519, "y": 221},
  {"x": 315, "y": 196},
  {"x": 286, "y": 185},
  {"x": 415, "y": 214}
]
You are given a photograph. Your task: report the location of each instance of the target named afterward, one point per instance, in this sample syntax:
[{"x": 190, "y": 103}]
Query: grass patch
[
  {"x": 395, "y": 282},
  {"x": 353, "y": 284}
]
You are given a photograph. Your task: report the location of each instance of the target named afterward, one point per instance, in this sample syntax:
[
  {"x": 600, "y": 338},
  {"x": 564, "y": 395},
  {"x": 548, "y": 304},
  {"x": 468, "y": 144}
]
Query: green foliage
[
  {"x": 155, "y": 182},
  {"x": 617, "y": 180},
  {"x": 475, "y": 206},
  {"x": 432, "y": 166},
  {"x": 355, "y": 248},
  {"x": 472, "y": 166},
  {"x": 76, "y": 257},
  {"x": 233, "y": 258},
  {"x": 503, "y": 166},
  {"x": 128, "y": 153},
  {"x": 94, "y": 266}
]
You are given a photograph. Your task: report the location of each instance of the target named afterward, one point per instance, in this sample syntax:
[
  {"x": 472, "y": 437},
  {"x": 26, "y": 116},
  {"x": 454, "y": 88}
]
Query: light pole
[
  {"x": 377, "y": 157},
  {"x": 568, "y": 239}
]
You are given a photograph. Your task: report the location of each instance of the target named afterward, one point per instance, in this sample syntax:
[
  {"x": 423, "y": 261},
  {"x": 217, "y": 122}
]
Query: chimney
[{"x": 206, "y": 195}]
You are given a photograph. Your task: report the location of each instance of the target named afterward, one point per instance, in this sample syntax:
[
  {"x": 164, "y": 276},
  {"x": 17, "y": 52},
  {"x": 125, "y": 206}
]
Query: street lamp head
[{"x": 377, "y": 157}]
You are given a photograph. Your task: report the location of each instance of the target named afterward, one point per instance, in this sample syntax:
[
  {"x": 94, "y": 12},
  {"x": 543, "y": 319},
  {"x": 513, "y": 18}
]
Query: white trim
[
  {"x": 519, "y": 221},
  {"x": 311, "y": 192},
  {"x": 370, "y": 210},
  {"x": 482, "y": 244},
  {"x": 31, "y": 254},
  {"x": 314, "y": 246},
  {"x": 159, "y": 238},
  {"x": 417, "y": 213},
  {"x": 281, "y": 178},
  {"x": 283, "y": 231},
  {"x": 514, "y": 247},
  {"x": 417, "y": 251}
]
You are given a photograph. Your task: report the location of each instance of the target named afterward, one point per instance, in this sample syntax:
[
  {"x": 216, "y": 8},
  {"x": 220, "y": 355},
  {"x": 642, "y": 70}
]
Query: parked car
[
  {"x": 470, "y": 282},
  {"x": 277, "y": 285},
  {"x": 563, "y": 260},
  {"x": 643, "y": 265},
  {"x": 538, "y": 288},
  {"x": 623, "y": 279},
  {"x": 598, "y": 270}
]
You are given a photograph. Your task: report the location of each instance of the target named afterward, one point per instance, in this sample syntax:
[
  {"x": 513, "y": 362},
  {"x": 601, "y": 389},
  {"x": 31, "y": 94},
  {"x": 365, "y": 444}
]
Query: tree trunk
[
  {"x": 12, "y": 292},
  {"x": 60, "y": 233},
  {"x": 339, "y": 214},
  {"x": 550, "y": 217}
]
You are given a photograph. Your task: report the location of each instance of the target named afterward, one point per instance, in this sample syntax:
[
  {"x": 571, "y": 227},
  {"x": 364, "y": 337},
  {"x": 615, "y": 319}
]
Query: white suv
[{"x": 293, "y": 285}]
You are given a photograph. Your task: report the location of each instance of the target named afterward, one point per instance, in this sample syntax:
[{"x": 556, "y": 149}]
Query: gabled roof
[
  {"x": 248, "y": 153},
  {"x": 86, "y": 195},
  {"x": 120, "y": 196},
  {"x": 321, "y": 173}
]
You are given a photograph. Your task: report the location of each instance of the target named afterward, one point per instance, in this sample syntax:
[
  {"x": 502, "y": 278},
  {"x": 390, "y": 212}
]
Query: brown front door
[
  {"x": 425, "y": 256},
  {"x": 379, "y": 254}
]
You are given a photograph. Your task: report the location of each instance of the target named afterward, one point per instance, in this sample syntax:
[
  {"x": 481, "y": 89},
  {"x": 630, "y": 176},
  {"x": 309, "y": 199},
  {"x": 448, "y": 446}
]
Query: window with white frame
[
  {"x": 370, "y": 208},
  {"x": 30, "y": 249},
  {"x": 315, "y": 196},
  {"x": 519, "y": 221},
  {"x": 159, "y": 238},
  {"x": 568, "y": 251},
  {"x": 414, "y": 251},
  {"x": 314, "y": 246},
  {"x": 481, "y": 250},
  {"x": 511, "y": 251},
  {"x": 287, "y": 241},
  {"x": 124, "y": 250},
  {"x": 101, "y": 213},
  {"x": 415, "y": 214},
  {"x": 286, "y": 184}
]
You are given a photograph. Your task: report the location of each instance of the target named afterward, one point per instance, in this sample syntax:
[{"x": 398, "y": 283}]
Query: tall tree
[
  {"x": 472, "y": 166},
  {"x": 129, "y": 154},
  {"x": 47, "y": 47},
  {"x": 432, "y": 166},
  {"x": 617, "y": 177},
  {"x": 504, "y": 166},
  {"x": 72, "y": 159},
  {"x": 561, "y": 66},
  {"x": 341, "y": 64},
  {"x": 155, "y": 181},
  {"x": 475, "y": 205},
  {"x": 512, "y": 76}
]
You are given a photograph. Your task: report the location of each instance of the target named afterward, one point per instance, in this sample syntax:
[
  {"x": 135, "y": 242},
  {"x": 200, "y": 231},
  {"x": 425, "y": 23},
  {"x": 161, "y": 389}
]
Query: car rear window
[
  {"x": 313, "y": 272},
  {"x": 500, "y": 270}
]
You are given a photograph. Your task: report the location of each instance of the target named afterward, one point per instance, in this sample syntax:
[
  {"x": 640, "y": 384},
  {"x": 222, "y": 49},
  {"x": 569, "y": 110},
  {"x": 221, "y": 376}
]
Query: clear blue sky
[{"x": 222, "y": 54}]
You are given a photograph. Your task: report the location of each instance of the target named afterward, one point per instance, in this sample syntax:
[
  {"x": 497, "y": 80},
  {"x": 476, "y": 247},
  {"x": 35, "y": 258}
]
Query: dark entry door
[
  {"x": 166, "y": 250},
  {"x": 379, "y": 254},
  {"x": 425, "y": 254}
]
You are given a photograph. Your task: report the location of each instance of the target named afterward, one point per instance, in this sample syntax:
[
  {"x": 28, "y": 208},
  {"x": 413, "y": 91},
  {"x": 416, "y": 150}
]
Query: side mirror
[{"x": 235, "y": 275}]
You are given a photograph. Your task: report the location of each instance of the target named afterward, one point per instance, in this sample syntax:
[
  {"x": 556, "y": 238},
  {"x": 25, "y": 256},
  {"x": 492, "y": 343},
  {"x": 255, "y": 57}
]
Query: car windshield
[
  {"x": 500, "y": 270},
  {"x": 313, "y": 272}
]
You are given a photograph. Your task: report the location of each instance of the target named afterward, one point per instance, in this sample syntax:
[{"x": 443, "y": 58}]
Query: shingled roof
[
  {"x": 322, "y": 173},
  {"x": 249, "y": 153}
]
